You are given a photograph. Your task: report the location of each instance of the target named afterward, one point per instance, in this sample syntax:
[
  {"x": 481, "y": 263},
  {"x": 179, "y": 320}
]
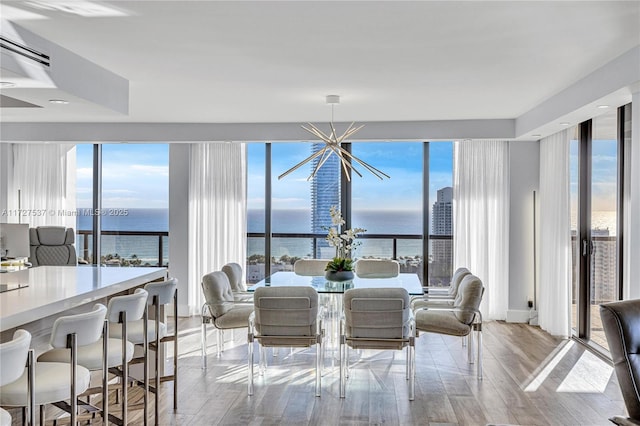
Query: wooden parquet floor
[{"x": 530, "y": 378}]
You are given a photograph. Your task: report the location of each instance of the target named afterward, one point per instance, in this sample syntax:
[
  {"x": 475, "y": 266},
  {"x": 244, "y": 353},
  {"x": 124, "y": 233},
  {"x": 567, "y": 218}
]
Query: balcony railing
[{"x": 160, "y": 259}]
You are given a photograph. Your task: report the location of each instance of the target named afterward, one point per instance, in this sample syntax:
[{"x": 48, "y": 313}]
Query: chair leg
[
  {"x": 220, "y": 341},
  {"x": 479, "y": 351},
  {"x": 175, "y": 352},
  {"x": 262, "y": 367},
  {"x": 318, "y": 366},
  {"x": 250, "y": 360},
  {"x": 203, "y": 344},
  {"x": 470, "y": 352},
  {"x": 411, "y": 364},
  {"x": 342, "y": 355}
]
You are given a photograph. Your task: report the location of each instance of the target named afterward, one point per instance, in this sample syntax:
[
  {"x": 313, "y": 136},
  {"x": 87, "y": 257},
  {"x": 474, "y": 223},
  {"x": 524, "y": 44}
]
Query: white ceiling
[{"x": 274, "y": 62}]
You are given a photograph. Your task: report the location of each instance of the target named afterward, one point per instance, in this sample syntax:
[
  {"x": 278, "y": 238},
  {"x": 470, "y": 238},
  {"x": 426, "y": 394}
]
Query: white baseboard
[{"x": 521, "y": 316}]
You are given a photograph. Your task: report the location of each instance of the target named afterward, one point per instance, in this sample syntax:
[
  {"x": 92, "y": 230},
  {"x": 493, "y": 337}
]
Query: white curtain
[
  {"x": 481, "y": 219},
  {"x": 43, "y": 184},
  {"x": 555, "y": 236},
  {"x": 217, "y": 212}
]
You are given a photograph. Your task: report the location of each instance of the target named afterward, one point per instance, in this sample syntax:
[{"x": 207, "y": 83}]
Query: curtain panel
[
  {"x": 555, "y": 236},
  {"x": 217, "y": 212},
  {"x": 481, "y": 218},
  {"x": 44, "y": 176}
]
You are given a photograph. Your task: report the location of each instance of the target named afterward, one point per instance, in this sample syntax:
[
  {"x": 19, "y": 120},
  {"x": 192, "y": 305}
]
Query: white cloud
[{"x": 151, "y": 170}]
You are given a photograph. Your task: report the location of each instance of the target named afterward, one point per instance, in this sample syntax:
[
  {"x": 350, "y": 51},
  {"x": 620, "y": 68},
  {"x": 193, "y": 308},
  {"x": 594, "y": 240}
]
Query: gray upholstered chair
[
  {"x": 221, "y": 309},
  {"x": 377, "y": 268},
  {"x": 439, "y": 296},
  {"x": 621, "y": 323},
  {"x": 236, "y": 280},
  {"x": 52, "y": 245},
  {"x": 377, "y": 318},
  {"x": 14, "y": 355},
  {"x": 458, "y": 320},
  {"x": 310, "y": 267},
  {"x": 54, "y": 381},
  {"x": 285, "y": 316}
]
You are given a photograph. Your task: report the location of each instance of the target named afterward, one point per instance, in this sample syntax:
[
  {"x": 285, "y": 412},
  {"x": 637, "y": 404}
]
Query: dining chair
[
  {"x": 221, "y": 309},
  {"x": 438, "y": 296},
  {"x": 621, "y": 324},
  {"x": 160, "y": 293},
  {"x": 289, "y": 317},
  {"x": 377, "y": 268},
  {"x": 14, "y": 355},
  {"x": 377, "y": 318},
  {"x": 310, "y": 267},
  {"x": 461, "y": 319},
  {"x": 236, "y": 280},
  {"x": 55, "y": 382}
]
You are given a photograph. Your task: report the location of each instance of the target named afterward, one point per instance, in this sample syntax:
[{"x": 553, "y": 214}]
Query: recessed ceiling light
[
  {"x": 537, "y": 135},
  {"x": 58, "y": 101},
  {"x": 564, "y": 123},
  {"x": 603, "y": 106},
  {"x": 7, "y": 84}
]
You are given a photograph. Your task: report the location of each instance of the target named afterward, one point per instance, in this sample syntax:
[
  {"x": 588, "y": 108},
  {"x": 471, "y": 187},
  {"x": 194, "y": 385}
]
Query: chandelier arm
[
  {"x": 345, "y": 164},
  {"x": 369, "y": 167},
  {"x": 325, "y": 157},
  {"x": 347, "y": 133},
  {"x": 317, "y": 132},
  {"x": 300, "y": 164}
]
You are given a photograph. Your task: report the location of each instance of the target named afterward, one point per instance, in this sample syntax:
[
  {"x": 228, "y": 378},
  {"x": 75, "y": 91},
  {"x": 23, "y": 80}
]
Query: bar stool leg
[
  {"x": 105, "y": 372},
  {"x": 156, "y": 304},
  {"x": 175, "y": 351},
  {"x": 125, "y": 368},
  {"x": 145, "y": 330}
]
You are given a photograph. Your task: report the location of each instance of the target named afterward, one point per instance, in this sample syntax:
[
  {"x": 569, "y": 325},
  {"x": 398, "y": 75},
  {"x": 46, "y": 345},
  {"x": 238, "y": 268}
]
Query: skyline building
[
  {"x": 440, "y": 269},
  {"x": 325, "y": 192}
]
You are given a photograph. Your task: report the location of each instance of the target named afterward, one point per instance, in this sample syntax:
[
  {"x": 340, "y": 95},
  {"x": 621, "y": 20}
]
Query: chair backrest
[
  {"x": 377, "y": 313},
  {"x": 234, "y": 273},
  {"x": 456, "y": 279},
  {"x": 621, "y": 323},
  {"x": 133, "y": 304},
  {"x": 377, "y": 268},
  {"x": 87, "y": 327},
  {"x": 217, "y": 292},
  {"x": 469, "y": 297},
  {"x": 165, "y": 290},
  {"x": 13, "y": 357},
  {"x": 310, "y": 267},
  {"x": 52, "y": 245},
  {"x": 285, "y": 311}
]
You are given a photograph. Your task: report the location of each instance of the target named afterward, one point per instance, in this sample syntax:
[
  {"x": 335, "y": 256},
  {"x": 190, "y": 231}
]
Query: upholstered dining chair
[
  {"x": 438, "y": 296},
  {"x": 377, "y": 318},
  {"x": 52, "y": 245},
  {"x": 310, "y": 267},
  {"x": 14, "y": 355},
  {"x": 221, "y": 309},
  {"x": 160, "y": 293},
  {"x": 56, "y": 382},
  {"x": 377, "y": 268},
  {"x": 461, "y": 319},
  {"x": 236, "y": 280},
  {"x": 285, "y": 316},
  {"x": 621, "y": 323}
]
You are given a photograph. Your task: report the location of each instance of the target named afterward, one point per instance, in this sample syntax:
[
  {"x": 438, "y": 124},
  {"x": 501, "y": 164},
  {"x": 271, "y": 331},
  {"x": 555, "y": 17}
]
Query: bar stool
[
  {"x": 56, "y": 381},
  {"x": 14, "y": 355},
  {"x": 160, "y": 294}
]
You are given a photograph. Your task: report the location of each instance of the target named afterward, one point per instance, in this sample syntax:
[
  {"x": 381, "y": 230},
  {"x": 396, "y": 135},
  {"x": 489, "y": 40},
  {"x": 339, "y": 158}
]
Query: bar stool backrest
[
  {"x": 133, "y": 304},
  {"x": 86, "y": 326},
  {"x": 164, "y": 290},
  {"x": 13, "y": 357}
]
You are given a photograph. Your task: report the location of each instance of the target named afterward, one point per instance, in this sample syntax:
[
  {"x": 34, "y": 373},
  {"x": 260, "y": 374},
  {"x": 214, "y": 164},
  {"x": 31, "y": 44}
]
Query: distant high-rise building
[
  {"x": 325, "y": 192},
  {"x": 440, "y": 268}
]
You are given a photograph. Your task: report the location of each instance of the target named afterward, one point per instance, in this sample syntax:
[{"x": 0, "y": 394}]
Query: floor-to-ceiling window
[
  {"x": 596, "y": 191},
  {"x": 133, "y": 203},
  {"x": 288, "y": 217}
]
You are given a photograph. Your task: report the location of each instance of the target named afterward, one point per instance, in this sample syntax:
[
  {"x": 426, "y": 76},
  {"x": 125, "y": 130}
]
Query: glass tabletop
[{"x": 408, "y": 281}]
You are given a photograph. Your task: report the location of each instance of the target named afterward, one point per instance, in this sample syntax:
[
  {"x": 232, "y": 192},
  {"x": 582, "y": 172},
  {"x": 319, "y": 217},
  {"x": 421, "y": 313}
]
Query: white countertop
[{"x": 54, "y": 289}]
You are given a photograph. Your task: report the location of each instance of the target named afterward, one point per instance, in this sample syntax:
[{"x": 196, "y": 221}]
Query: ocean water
[{"x": 397, "y": 222}]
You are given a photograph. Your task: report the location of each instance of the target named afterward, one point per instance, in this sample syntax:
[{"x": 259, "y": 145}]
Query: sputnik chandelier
[{"x": 332, "y": 146}]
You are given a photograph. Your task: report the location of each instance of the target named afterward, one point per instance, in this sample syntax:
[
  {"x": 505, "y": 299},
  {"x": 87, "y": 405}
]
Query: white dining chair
[
  {"x": 310, "y": 267},
  {"x": 377, "y": 268}
]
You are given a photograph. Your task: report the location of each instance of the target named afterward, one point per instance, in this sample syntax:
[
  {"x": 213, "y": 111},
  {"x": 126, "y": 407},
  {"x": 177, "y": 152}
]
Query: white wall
[
  {"x": 6, "y": 171},
  {"x": 179, "y": 222},
  {"x": 524, "y": 178}
]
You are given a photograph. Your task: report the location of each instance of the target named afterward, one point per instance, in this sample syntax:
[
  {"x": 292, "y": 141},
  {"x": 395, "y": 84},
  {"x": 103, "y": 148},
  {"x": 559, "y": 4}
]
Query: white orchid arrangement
[{"x": 345, "y": 242}]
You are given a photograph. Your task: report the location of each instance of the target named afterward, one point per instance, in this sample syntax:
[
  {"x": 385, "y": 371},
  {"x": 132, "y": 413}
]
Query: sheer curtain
[
  {"x": 217, "y": 211},
  {"x": 555, "y": 235},
  {"x": 45, "y": 175},
  {"x": 481, "y": 218}
]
